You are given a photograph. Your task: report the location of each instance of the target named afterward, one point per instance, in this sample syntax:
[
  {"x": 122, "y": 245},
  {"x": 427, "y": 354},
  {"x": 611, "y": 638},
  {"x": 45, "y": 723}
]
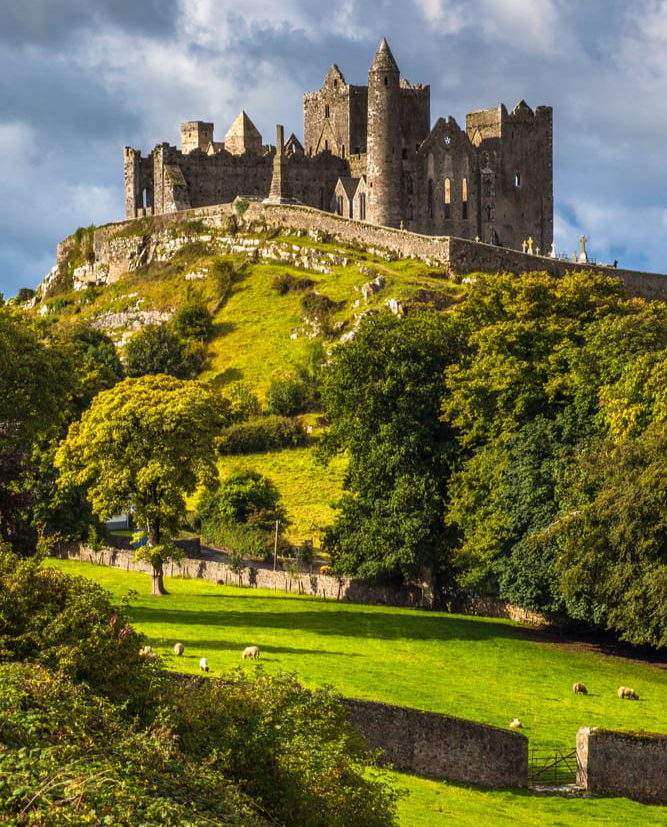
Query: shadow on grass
[
  {"x": 381, "y": 625},
  {"x": 234, "y": 646},
  {"x": 226, "y": 377}
]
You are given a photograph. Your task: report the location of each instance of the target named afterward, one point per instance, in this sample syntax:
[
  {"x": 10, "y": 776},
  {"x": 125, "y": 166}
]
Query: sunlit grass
[{"x": 482, "y": 669}]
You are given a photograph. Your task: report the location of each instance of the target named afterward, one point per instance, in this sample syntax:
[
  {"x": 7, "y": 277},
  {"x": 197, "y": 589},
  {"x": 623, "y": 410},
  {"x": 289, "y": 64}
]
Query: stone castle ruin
[{"x": 370, "y": 154}]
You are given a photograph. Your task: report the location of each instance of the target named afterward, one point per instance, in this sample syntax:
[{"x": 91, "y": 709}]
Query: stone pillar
[{"x": 280, "y": 192}]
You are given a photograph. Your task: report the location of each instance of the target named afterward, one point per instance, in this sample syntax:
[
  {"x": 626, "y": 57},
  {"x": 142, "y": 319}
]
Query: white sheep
[
  {"x": 203, "y": 665},
  {"x": 179, "y": 649},
  {"x": 148, "y": 653},
  {"x": 251, "y": 652},
  {"x": 515, "y": 723},
  {"x": 627, "y": 693}
]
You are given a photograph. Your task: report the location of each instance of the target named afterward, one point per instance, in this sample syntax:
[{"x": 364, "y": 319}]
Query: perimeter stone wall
[
  {"x": 441, "y": 746},
  {"x": 623, "y": 763},
  {"x": 126, "y": 243}
]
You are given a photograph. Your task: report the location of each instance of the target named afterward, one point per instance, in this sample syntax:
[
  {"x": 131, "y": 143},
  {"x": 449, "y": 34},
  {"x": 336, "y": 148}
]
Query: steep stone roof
[
  {"x": 243, "y": 132},
  {"x": 384, "y": 60}
]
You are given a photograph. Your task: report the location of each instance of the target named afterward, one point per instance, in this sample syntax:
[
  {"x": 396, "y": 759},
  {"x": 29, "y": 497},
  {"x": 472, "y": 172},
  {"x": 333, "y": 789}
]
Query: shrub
[
  {"x": 157, "y": 349},
  {"x": 291, "y": 748},
  {"x": 243, "y": 402},
  {"x": 287, "y": 396},
  {"x": 242, "y": 513},
  {"x": 193, "y": 321},
  {"x": 317, "y": 307},
  {"x": 266, "y": 434},
  {"x": 25, "y": 294},
  {"x": 68, "y": 623},
  {"x": 287, "y": 283},
  {"x": 69, "y": 757}
]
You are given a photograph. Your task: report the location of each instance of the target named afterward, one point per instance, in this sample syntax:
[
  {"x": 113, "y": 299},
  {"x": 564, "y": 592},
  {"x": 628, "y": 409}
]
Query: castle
[{"x": 369, "y": 153}]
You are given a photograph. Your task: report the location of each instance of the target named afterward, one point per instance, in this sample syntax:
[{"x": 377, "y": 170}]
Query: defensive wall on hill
[{"x": 126, "y": 245}]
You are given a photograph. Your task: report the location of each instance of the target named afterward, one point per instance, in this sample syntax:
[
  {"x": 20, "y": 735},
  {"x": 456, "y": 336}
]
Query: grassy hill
[
  {"x": 477, "y": 668},
  {"x": 259, "y": 334}
]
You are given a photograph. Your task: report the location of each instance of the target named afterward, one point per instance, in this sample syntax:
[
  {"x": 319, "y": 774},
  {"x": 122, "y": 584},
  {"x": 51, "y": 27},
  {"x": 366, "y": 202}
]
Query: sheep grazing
[
  {"x": 579, "y": 689},
  {"x": 179, "y": 649},
  {"x": 203, "y": 665},
  {"x": 516, "y": 724},
  {"x": 627, "y": 693},
  {"x": 147, "y": 653},
  {"x": 251, "y": 652}
]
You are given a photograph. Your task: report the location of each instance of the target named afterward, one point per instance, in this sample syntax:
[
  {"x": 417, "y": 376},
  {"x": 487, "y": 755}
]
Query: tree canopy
[
  {"x": 383, "y": 392},
  {"x": 141, "y": 446}
]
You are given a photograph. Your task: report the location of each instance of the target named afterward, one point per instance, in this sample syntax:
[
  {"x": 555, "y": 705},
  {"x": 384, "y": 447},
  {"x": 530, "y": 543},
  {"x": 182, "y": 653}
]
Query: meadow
[{"x": 482, "y": 669}]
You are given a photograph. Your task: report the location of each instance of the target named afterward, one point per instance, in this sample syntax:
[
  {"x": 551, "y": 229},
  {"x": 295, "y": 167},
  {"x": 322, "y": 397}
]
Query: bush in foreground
[{"x": 70, "y": 757}]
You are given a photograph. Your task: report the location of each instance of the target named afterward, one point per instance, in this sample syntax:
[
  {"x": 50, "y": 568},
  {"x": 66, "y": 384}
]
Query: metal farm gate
[{"x": 552, "y": 768}]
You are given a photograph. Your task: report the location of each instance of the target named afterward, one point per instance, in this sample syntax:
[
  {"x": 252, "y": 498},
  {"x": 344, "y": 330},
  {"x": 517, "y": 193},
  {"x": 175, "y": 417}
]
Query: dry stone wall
[
  {"x": 328, "y": 586},
  {"x": 623, "y": 763},
  {"x": 441, "y": 746}
]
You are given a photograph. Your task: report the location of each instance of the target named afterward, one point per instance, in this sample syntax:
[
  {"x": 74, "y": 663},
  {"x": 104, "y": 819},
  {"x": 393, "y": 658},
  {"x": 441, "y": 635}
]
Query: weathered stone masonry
[
  {"x": 369, "y": 153},
  {"x": 632, "y": 764},
  {"x": 441, "y": 746},
  {"x": 116, "y": 251}
]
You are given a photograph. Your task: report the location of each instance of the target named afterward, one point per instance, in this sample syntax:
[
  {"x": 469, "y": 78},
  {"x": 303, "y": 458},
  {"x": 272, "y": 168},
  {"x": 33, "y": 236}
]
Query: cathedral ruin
[{"x": 369, "y": 153}]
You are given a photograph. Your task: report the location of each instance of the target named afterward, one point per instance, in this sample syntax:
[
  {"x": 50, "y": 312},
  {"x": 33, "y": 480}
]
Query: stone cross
[
  {"x": 552, "y": 252},
  {"x": 530, "y": 243},
  {"x": 583, "y": 255},
  {"x": 524, "y": 246}
]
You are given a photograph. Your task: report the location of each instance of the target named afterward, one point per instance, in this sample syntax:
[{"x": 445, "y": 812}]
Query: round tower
[{"x": 384, "y": 140}]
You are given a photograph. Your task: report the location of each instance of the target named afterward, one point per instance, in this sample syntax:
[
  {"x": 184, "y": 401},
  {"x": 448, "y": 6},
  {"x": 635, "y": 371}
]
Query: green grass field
[{"x": 477, "y": 668}]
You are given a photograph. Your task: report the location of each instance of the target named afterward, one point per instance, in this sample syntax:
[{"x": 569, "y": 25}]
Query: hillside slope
[{"x": 259, "y": 333}]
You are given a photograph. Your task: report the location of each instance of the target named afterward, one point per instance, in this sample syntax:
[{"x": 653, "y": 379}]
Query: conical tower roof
[{"x": 384, "y": 60}]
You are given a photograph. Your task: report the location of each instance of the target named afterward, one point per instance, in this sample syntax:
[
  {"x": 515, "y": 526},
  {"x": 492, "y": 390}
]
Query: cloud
[
  {"x": 49, "y": 22},
  {"x": 82, "y": 79}
]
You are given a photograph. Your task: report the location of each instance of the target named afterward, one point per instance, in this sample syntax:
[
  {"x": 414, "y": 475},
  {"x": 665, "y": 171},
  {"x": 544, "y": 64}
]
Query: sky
[{"x": 81, "y": 79}]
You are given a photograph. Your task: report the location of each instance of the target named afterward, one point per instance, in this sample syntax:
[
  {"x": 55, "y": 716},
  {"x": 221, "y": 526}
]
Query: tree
[
  {"x": 551, "y": 365},
  {"x": 193, "y": 321},
  {"x": 613, "y": 538},
  {"x": 36, "y": 380},
  {"x": 157, "y": 349},
  {"x": 142, "y": 445},
  {"x": 383, "y": 392},
  {"x": 243, "y": 512}
]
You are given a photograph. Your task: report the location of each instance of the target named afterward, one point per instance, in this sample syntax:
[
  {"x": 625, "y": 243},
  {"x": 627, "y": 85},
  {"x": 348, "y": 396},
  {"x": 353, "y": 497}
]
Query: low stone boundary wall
[
  {"x": 441, "y": 746},
  {"x": 191, "y": 546},
  {"x": 623, "y": 763},
  {"x": 317, "y": 585},
  {"x": 330, "y": 587}
]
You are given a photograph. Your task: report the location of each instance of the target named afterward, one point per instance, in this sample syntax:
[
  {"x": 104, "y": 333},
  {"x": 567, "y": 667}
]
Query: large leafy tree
[
  {"x": 35, "y": 383},
  {"x": 156, "y": 349},
  {"x": 551, "y": 366},
  {"x": 613, "y": 539},
  {"x": 383, "y": 393},
  {"x": 143, "y": 445}
]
